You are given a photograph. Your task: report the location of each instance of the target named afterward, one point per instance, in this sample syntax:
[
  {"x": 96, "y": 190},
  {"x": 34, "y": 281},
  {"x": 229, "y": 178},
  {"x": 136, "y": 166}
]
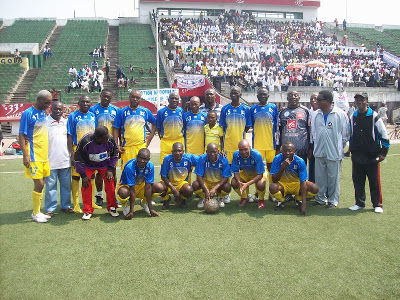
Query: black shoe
[
  {"x": 330, "y": 205},
  {"x": 183, "y": 204},
  {"x": 99, "y": 200},
  {"x": 279, "y": 207},
  {"x": 165, "y": 204},
  {"x": 347, "y": 154},
  {"x": 316, "y": 203},
  {"x": 289, "y": 198}
]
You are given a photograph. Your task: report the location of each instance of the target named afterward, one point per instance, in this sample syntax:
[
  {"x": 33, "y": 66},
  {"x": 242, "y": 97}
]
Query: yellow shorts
[
  {"x": 139, "y": 191},
  {"x": 247, "y": 177},
  {"x": 210, "y": 185},
  {"x": 291, "y": 188},
  {"x": 38, "y": 170},
  {"x": 166, "y": 147},
  {"x": 229, "y": 156},
  {"x": 268, "y": 155},
  {"x": 130, "y": 153},
  {"x": 177, "y": 186}
]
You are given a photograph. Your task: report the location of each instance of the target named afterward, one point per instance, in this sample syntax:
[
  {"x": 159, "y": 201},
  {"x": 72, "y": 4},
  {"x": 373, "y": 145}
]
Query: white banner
[
  {"x": 341, "y": 101},
  {"x": 151, "y": 95},
  {"x": 189, "y": 81}
]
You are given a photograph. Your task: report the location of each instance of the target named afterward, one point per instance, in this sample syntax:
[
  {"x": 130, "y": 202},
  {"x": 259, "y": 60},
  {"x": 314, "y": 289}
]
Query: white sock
[{"x": 100, "y": 194}]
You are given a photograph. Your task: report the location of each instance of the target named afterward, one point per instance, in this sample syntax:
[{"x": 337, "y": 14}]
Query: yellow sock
[
  {"x": 75, "y": 192},
  {"x": 37, "y": 200},
  {"x": 94, "y": 205},
  {"x": 279, "y": 196},
  {"x": 261, "y": 194}
]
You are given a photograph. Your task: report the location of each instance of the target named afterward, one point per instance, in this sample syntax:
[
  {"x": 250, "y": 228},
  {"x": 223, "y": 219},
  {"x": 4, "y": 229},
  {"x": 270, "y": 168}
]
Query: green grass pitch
[{"x": 187, "y": 254}]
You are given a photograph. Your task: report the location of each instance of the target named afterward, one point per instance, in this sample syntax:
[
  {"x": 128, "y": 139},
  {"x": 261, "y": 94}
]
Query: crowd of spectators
[
  {"x": 249, "y": 53},
  {"x": 87, "y": 79}
]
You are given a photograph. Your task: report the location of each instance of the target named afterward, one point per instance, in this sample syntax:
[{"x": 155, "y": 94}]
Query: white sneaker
[
  {"x": 145, "y": 207},
  {"x": 113, "y": 212},
  {"x": 126, "y": 210},
  {"x": 38, "y": 218},
  {"x": 44, "y": 216},
  {"x": 86, "y": 216},
  {"x": 227, "y": 199},
  {"x": 355, "y": 207},
  {"x": 153, "y": 203},
  {"x": 378, "y": 209},
  {"x": 250, "y": 198},
  {"x": 221, "y": 202},
  {"x": 201, "y": 203}
]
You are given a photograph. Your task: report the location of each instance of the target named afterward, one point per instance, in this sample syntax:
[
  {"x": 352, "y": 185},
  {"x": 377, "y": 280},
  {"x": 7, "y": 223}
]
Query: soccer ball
[{"x": 211, "y": 206}]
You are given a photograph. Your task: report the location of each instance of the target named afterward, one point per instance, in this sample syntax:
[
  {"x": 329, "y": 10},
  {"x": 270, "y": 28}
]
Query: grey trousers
[{"x": 327, "y": 176}]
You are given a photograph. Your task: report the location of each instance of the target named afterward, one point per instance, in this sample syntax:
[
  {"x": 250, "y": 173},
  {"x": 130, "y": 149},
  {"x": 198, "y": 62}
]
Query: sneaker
[
  {"x": 126, "y": 210},
  {"x": 183, "y": 204},
  {"x": 221, "y": 202},
  {"x": 44, "y": 216},
  {"x": 330, "y": 206},
  {"x": 261, "y": 204},
  {"x": 165, "y": 204},
  {"x": 145, "y": 207},
  {"x": 99, "y": 200},
  {"x": 113, "y": 212},
  {"x": 243, "y": 202},
  {"x": 250, "y": 198},
  {"x": 153, "y": 203},
  {"x": 279, "y": 206},
  {"x": 86, "y": 216},
  {"x": 201, "y": 203},
  {"x": 227, "y": 199},
  {"x": 355, "y": 207},
  {"x": 289, "y": 198},
  {"x": 378, "y": 209},
  {"x": 118, "y": 204},
  {"x": 38, "y": 218},
  {"x": 317, "y": 203}
]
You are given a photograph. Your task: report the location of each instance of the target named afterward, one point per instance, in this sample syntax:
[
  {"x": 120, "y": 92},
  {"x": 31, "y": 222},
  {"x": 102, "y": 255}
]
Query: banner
[
  {"x": 22, "y": 61},
  {"x": 12, "y": 112},
  {"x": 151, "y": 95},
  {"x": 188, "y": 81}
]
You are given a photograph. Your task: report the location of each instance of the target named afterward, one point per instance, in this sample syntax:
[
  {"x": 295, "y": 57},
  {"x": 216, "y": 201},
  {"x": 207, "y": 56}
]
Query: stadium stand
[
  {"x": 77, "y": 39},
  {"x": 9, "y": 75},
  {"x": 137, "y": 48},
  {"x": 27, "y": 31}
]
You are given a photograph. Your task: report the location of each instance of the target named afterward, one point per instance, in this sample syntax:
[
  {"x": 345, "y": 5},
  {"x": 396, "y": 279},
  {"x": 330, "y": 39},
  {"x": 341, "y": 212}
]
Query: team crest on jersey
[
  {"x": 113, "y": 113},
  {"x": 286, "y": 113},
  {"x": 219, "y": 165},
  {"x": 185, "y": 163},
  {"x": 291, "y": 124},
  {"x": 270, "y": 110},
  {"x": 295, "y": 167},
  {"x": 142, "y": 113},
  {"x": 299, "y": 115},
  {"x": 329, "y": 123}
]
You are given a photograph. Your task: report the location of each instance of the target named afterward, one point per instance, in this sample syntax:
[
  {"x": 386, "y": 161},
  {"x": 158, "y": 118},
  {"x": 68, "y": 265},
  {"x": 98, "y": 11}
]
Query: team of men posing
[{"x": 208, "y": 140}]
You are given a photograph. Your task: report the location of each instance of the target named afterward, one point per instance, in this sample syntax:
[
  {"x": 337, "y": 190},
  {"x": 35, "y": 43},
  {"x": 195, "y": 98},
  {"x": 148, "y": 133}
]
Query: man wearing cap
[{"x": 369, "y": 145}]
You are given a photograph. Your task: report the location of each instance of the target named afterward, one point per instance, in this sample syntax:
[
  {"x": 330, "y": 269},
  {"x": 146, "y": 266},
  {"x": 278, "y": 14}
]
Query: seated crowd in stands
[
  {"x": 86, "y": 79},
  {"x": 259, "y": 53},
  {"x": 99, "y": 52}
]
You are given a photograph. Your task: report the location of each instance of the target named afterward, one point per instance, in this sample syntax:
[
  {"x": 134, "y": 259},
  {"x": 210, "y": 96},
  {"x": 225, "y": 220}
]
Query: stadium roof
[{"x": 307, "y": 3}]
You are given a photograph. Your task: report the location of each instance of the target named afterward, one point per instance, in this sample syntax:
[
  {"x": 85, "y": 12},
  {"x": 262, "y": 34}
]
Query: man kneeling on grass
[
  {"x": 213, "y": 173},
  {"x": 137, "y": 181},
  {"x": 289, "y": 176},
  {"x": 97, "y": 151},
  {"x": 248, "y": 168}
]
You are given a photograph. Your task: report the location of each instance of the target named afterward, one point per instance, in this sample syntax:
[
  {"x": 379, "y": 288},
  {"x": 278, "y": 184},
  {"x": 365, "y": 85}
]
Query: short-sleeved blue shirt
[
  {"x": 177, "y": 172},
  {"x": 253, "y": 165},
  {"x": 213, "y": 172},
  {"x": 296, "y": 171},
  {"x": 133, "y": 175}
]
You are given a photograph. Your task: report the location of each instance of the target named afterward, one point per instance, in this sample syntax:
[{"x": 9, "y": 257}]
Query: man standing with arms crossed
[
  {"x": 170, "y": 125},
  {"x": 34, "y": 142},
  {"x": 59, "y": 161}
]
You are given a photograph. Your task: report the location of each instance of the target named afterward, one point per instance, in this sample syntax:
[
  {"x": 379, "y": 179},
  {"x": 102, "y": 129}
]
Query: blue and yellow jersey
[
  {"x": 193, "y": 125},
  {"x": 297, "y": 171},
  {"x": 213, "y": 172},
  {"x": 252, "y": 166},
  {"x": 132, "y": 123},
  {"x": 264, "y": 120},
  {"x": 213, "y": 135},
  {"x": 133, "y": 175},
  {"x": 234, "y": 120},
  {"x": 79, "y": 124},
  {"x": 170, "y": 123},
  {"x": 33, "y": 125},
  {"x": 105, "y": 116},
  {"x": 177, "y": 172}
]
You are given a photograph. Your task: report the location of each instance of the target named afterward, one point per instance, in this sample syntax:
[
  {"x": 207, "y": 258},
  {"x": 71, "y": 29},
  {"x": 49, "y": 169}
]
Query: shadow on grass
[{"x": 20, "y": 217}]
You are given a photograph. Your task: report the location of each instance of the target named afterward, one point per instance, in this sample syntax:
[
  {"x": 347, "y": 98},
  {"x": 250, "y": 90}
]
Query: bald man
[
  {"x": 130, "y": 128},
  {"x": 170, "y": 125},
  {"x": 248, "y": 168},
  {"x": 193, "y": 125},
  {"x": 34, "y": 141}
]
